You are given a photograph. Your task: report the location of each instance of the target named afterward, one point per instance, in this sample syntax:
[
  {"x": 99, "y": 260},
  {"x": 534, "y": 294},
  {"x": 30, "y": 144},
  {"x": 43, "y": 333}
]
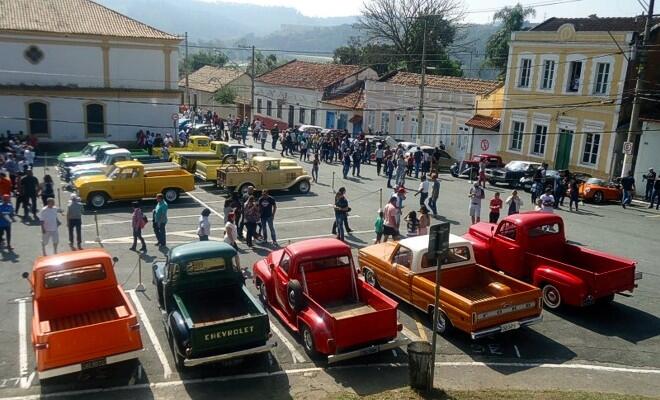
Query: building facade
[
  {"x": 306, "y": 93},
  {"x": 83, "y": 72},
  {"x": 204, "y": 83}
]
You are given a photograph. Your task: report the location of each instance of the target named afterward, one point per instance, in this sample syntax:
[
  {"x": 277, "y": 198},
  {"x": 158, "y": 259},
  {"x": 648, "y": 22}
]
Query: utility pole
[
  {"x": 639, "y": 86},
  {"x": 420, "y": 113},
  {"x": 252, "y": 86},
  {"x": 185, "y": 63}
]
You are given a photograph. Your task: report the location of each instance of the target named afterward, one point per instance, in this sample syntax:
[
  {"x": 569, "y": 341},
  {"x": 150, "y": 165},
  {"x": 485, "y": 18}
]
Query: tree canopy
[
  {"x": 262, "y": 63},
  {"x": 497, "y": 47},
  {"x": 199, "y": 59}
]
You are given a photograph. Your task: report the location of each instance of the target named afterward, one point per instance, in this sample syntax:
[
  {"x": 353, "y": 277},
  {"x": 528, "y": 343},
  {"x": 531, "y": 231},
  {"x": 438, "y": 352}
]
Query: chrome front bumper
[
  {"x": 373, "y": 349},
  {"x": 191, "y": 362},
  {"x": 503, "y": 327}
]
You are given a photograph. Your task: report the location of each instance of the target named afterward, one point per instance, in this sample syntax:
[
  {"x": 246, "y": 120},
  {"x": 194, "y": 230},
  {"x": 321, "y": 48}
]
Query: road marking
[
  {"x": 420, "y": 329},
  {"x": 167, "y": 371},
  {"x": 302, "y": 371},
  {"x": 517, "y": 351},
  {"x": 129, "y": 220},
  {"x": 206, "y": 205},
  {"x": 653, "y": 216},
  {"x": 410, "y": 335},
  {"x": 22, "y": 347},
  {"x": 295, "y": 354}
]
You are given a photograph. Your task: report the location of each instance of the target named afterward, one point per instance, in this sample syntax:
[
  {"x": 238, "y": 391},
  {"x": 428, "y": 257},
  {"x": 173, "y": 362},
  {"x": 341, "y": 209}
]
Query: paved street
[{"x": 624, "y": 334}]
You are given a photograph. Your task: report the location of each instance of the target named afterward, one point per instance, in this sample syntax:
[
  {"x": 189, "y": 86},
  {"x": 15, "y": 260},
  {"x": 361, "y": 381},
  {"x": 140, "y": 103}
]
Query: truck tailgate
[
  {"x": 229, "y": 335},
  {"x": 362, "y": 324},
  {"x": 614, "y": 281}
]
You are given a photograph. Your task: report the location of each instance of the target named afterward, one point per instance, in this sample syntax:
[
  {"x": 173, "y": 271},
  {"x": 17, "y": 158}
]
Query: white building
[
  {"x": 392, "y": 105},
  {"x": 73, "y": 70},
  {"x": 301, "y": 92},
  {"x": 648, "y": 152}
]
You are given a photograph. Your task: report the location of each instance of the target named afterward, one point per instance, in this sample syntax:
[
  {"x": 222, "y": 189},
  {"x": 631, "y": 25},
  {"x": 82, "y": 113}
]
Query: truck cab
[
  {"x": 532, "y": 246},
  {"x": 208, "y": 313},
  {"x": 195, "y": 143}
]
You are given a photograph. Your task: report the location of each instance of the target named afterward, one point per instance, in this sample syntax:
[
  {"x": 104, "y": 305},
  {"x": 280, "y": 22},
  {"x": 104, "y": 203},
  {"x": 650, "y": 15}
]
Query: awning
[
  {"x": 355, "y": 119},
  {"x": 484, "y": 122}
]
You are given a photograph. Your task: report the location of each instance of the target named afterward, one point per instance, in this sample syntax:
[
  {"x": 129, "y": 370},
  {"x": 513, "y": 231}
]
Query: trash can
[{"x": 419, "y": 364}]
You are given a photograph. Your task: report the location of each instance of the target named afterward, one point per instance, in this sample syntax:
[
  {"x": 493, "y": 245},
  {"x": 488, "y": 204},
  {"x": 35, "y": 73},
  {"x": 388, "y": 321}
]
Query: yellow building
[{"x": 567, "y": 93}]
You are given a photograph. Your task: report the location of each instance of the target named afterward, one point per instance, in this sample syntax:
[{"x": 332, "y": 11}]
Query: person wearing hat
[
  {"x": 650, "y": 181},
  {"x": 138, "y": 222},
  {"x": 6, "y": 219},
  {"x": 74, "y": 220}
]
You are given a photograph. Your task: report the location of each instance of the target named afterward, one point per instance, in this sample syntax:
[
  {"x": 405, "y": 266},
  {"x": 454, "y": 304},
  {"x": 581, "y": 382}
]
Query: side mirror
[
  {"x": 114, "y": 260},
  {"x": 271, "y": 266},
  {"x": 25, "y": 275}
]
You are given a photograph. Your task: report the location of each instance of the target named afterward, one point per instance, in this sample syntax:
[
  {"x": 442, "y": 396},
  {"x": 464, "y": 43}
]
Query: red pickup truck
[
  {"x": 532, "y": 246},
  {"x": 313, "y": 288},
  {"x": 81, "y": 317}
]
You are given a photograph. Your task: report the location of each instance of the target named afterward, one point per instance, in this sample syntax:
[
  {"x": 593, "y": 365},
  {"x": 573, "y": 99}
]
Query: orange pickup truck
[
  {"x": 473, "y": 299},
  {"x": 81, "y": 317}
]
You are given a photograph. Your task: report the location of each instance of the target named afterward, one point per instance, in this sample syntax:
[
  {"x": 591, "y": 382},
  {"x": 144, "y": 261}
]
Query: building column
[{"x": 105, "y": 48}]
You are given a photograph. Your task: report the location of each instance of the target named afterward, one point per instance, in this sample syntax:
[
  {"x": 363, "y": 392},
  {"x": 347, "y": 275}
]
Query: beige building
[{"x": 204, "y": 83}]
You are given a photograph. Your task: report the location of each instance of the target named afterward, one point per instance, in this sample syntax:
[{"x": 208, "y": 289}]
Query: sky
[{"x": 479, "y": 11}]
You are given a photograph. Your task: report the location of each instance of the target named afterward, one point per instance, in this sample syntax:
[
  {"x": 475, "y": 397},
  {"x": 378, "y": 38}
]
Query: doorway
[{"x": 563, "y": 157}]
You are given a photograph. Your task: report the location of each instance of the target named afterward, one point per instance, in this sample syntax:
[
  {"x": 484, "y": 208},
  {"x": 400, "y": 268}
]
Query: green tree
[
  {"x": 226, "y": 95},
  {"x": 497, "y": 47},
  {"x": 199, "y": 59},
  {"x": 262, "y": 63}
]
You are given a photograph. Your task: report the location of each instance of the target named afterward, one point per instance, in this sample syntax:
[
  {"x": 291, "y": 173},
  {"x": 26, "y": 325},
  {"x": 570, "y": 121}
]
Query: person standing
[
  {"x": 231, "y": 235},
  {"x": 159, "y": 219},
  {"x": 574, "y": 194},
  {"x": 49, "y": 225},
  {"x": 46, "y": 189},
  {"x": 495, "y": 207},
  {"x": 5, "y": 184},
  {"x": 424, "y": 221},
  {"x": 400, "y": 171},
  {"x": 423, "y": 191},
  {"x": 74, "y": 220},
  {"x": 418, "y": 155},
  {"x": 6, "y": 219},
  {"x": 650, "y": 181},
  {"x": 547, "y": 202},
  {"x": 274, "y": 135},
  {"x": 389, "y": 170},
  {"x": 435, "y": 193},
  {"x": 244, "y": 132},
  {"x": 251, "y": 216},
  {"x": 476, "y": 195},
  {"x": 204, "y": 225},
  {"x": 390, "y": 226},
  {"x": 29, "y": 189},
  {"x": 138, "y": 222},
  {"x": 655, "y": 196},
  {"x": 628, "y": 185},
  {"x": 268, "y": 207},
  {"x": 357, "y": 160},
  {"x": 263, "y": 135},
  {"x": 378, "y": 226},
  {"x": 380, "y": 154},
  {"x": 341, "y": 209},
  {"x": 315, "y": 168},
  {"x": 346, "y": 164}
]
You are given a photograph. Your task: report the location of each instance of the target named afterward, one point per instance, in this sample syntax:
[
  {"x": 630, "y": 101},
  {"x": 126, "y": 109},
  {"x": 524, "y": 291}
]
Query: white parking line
[
  {"x": 206, "y": 205},
  {"x": 295, "y": 354},
  {"x": 22, "y": 346},
  {"x": 128, "y": 220},
  {"x": 167, "y": 371}
]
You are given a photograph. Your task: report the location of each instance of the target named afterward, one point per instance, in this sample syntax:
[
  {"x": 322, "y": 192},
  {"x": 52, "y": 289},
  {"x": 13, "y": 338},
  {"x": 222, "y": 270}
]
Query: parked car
[
  {"x": 470, "y": 168},
  {"x": 208, "y": 313},
  {"x": 511, "y": 173},
  {"x": 196, "y": 143},
  {"x": 264, "y": 173},
  {"x": 312, "y": 286},
  {"x": 444, "y": 161},
  {"x": 532, "y": 246},
  {"x": 95, "y": 155},
  {"x": 85, "y": 151},
  {"x": 81, "y": 317},
  {"x": 203, "y": 129},
  {"x": 599, "y": 191},
  {"x": 129, "y": 180},
  {"x": 473, "y": 299},
  {"x": 218, "y": 150},
  {"x": 109, "y": 159}
]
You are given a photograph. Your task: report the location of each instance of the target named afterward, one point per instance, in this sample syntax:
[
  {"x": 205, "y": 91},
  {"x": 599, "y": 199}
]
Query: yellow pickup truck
[
  {"x": 195, "y": 143},
  {"x": 264, "y": 173},
  {"x": 128, "y": 180},
  {"x": 218, "y": 152}
]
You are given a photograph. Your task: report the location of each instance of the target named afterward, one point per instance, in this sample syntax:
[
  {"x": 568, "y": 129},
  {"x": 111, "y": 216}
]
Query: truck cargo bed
[
  {"x": 475, "y": 293},
  {"x": 212, "y": 306},
  {"x": 86, "y": 318},
  {"x": 342, "y": 311}
]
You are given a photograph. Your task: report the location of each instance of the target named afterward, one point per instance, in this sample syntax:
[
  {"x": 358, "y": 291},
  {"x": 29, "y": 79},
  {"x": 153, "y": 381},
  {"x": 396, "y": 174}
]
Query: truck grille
[{"x": 507, "y": 309}]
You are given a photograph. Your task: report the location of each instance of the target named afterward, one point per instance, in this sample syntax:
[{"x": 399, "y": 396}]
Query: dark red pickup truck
[{"x": 532, "y": 247}]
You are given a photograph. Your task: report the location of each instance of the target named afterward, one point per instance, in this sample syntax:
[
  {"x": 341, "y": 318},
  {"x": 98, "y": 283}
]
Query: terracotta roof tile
[
  {"x": 619, "y": 24},
  {"x": 484, "y": 122},
  {"x": 353, "y": 99},
  {"x": 448, "y": 83},
  {"x": 308, "y": 75},
  {"x": 210, "y": 78},
  {"x": 73, "y": 17}
]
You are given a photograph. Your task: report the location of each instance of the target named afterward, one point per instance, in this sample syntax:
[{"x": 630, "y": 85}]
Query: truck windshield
[
  {"x": 516, "y": 166},
  {"x": 544, "y": 230},
  {"x": 206, "y": 265},
  {"x": 74, "y": 276},
  {"x": 113, "y": 171},
  {"x": 326, "y": 263},
  {"x": 454, "y": 256},
  {"x": 87, "y": 150}
]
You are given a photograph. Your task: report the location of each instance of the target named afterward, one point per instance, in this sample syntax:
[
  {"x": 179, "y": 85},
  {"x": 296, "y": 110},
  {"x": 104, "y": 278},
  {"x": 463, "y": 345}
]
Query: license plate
[
  {"x": 93, "y": 363},
  {"x": 638, "y": 276},
  {"x": 509, "y": 326}
]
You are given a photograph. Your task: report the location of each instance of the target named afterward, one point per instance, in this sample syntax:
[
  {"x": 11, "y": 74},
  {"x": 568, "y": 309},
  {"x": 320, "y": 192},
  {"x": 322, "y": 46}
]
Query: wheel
[
  {"x": 551, "y": 297},
  {"x": 263, "y": 294},
  {"x": 171, "y": 195},
  {"x": 178, "y": 360},
  {"x": 598, "y": 197},
  {"x": 244, "y": 188},
  {"x": 294, "y": 295},
  {"x": 370, "y": 278},
  {"x": 605, "y": 300},
  {"x": 308, "y": 341},
  {"x": 303, "y": 187},
  {"x": 444, "y": 326},
  {"x": 98, "y": 199}
]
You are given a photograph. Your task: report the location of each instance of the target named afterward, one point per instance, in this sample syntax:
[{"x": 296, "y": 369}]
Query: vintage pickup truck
[
  {"x": 208, "y": 170},
  {"x": 264, "y": 173},
  {"x": 81, "y": 316},
  {"x": 195, "y": 143},
  {"x": 208, "y": 313},
  {"x": 473, "y": 299},
  {"x": 218, "y": 152},
  {"x": 96, "y": 155},
  {"x": 470, "y": 168},
  {"x": 109, "y": 159},
  {"x": 129, "y": 180},
  {"x": 85, "y": 151},
  {"x": 313, "y": 288},
  {"x": 532, "y": 246}
]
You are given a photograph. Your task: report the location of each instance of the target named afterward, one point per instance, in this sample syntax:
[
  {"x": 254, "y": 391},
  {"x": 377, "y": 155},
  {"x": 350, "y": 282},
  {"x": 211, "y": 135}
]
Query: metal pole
[
  {"x": 59, "y": 198},
  {"x": 420, "y": 113},
  {"x": 380, "y": 192},
  {"x": 140, "y": 286},
  {"x": 252, "y": 86},
  {"x": 333, "y": 181},
  {"x": 186, "y": 65},
  {"x": 96, "y": 223},
  {"x": 436, "y": 310},
  {"x": 639, "y": 86},
  {"x": 46, "y": 161}
]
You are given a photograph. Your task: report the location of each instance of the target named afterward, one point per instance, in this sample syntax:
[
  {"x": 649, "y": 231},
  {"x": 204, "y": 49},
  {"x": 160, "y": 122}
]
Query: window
[
  {"x": 508, "y": 230},
  {"x": 301, "y": 116},
  {"x": 325, "y": 264},
  {"x": 385, "y": 122},
  {"x": 602, "y": 78},
  {"x": 413, "y": 127},
  {"x": 285, "y": 263},
  {"x": 279, "y": 110},
  {"x": 540, "y": 134},
  {"x": 403, "y": 257},
  {"x": 342, "y": 122},
  {"x": 290, "y": 116},
  {"x": 205, "y": 265},
  {"x": 95, "y": 119},
  {"x": 548, "y": 76},
  {"x": 74, "y": 276},
  {"x": 195, "y": 100},
  {"x": 258, "y": 106},
  {"x": 371, "y": 120},
  {"x": 591, "y": 147},
  {"x": 574, "y": 75},
  {"x": 429, "y": 126},
  {"x": 445, "y": 132},
  {"x": 312, "y": 117},
  {"x": 516, "y": 135},
  {"x": 525, "y": 72},
  {"x": 454, "y": 255},
  {"x": 38, "y": 118},
  {"x": 269, "y": 108},
  {"x": 543, "y": 230}
]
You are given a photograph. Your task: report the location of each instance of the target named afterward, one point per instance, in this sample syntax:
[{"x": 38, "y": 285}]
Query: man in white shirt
[
  {"x": 423, "y": 191},
  {"x": 547, "y": 202},
  {"x": 49, "y": 225},
  {"x": 476, "y": 195}
]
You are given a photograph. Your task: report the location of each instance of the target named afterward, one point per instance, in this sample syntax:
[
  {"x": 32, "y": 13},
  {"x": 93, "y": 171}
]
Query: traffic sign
[
  {"x": 439, "y": 242},
  {"x": 628, "y": 148},
  {"x": 484, "y": 144}
]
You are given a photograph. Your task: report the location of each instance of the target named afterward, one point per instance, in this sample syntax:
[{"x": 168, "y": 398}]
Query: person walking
[
  {"x": 29, "y": 190},
  {"x": 244, "y": 132},
  {"x": 268, "y": 207},
  {"x": 49, "y": 225},
  {"x": 346, "y": 160},
  {"x": 655, "y": 196},
  {"x": 341, "y": 209},
  {"x": 6, "y": 219},
  {"x": 650, "y": 181},
  {"x": 418, "y": 156},
  {"x": 435, "y": 193},
  {"x": 231, "y": 235},
  {"x": 274, "y": 135},
  {"x": 204, "y": 225},
  {"x": 390, "y": 225},
  {"x": 315, "y": 168},
  {"x": 495, "y": 207},
  {"x": 423, "y": 191},
  {"x": 263, "y": 135},
  {"x": 389, "y": 170},
  {"x": 357, "y": 160},
  {"x": 380, "y": 154},
  {"x": 482, "y": 174},
  {"x": 476, "y": 195},
  {"x": 628, "y": 186},
  {"x": 400, "y": 171},
  {"x": 138, "y": 222},
  {"x": 513, "y": 202},
  {"x": 378, "y": 226},
  {"x": 159, "y": 219},
  {"x": 424, "y": 221},
  {"x": 251, "y": 216},
  {"x": 74, "y": 220}
]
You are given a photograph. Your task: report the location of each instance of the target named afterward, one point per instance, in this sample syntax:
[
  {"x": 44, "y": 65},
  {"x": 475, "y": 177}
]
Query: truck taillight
[{"x": 135, "y": 327}]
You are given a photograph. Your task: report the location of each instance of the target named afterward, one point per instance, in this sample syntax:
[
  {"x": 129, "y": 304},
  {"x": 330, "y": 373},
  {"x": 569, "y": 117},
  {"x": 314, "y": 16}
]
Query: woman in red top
[{"x": 495, "y": 207}]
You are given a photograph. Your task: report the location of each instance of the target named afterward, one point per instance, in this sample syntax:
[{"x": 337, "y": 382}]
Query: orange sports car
[{"x": 598, "y": 190}]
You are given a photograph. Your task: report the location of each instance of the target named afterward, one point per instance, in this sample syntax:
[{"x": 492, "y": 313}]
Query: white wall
[
  {"x": 648, "y": 155},
  {"x": 137, "y": 68}
]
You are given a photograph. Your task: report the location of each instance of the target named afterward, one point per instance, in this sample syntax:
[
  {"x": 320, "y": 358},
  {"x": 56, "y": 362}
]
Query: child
[
  {"x": 204, "y": 228},
  {"x": 413, "y": 223},
  {"x": 495, "y": 207},
  {"x": 424, "y": 221},
  {"x": 378, "y": 225}
]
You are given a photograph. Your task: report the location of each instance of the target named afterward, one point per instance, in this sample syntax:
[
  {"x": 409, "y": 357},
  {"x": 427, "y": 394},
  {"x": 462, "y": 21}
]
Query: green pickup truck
[{"x": 209, "y": 314}]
